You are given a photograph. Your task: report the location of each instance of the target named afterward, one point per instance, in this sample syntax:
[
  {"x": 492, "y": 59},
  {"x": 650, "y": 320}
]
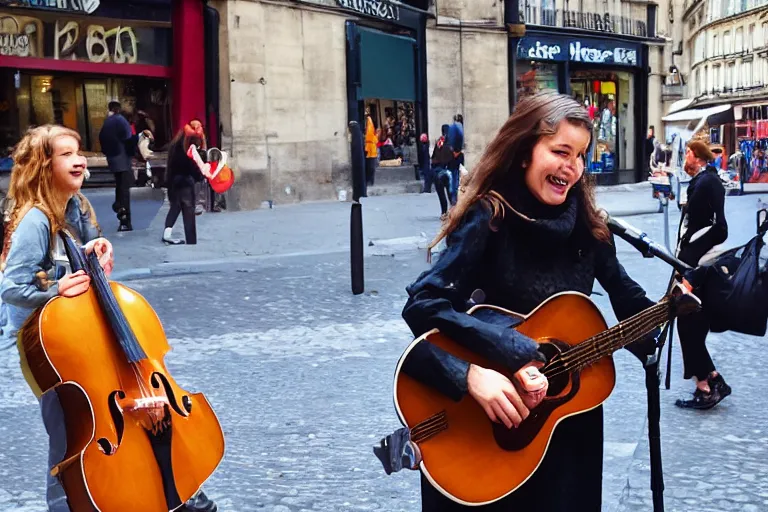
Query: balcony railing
[{"x": 533, "y": 14}]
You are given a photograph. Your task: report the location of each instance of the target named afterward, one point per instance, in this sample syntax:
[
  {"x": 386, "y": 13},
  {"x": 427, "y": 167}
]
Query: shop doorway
[
  {"x": 382, "y": 73},
  {"x": 79, "y": 102},
  {"x": 608, "y": 97}
]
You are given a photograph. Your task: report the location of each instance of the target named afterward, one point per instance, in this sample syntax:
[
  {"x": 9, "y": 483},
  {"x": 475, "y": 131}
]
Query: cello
[{"x": 135, "y": 439}]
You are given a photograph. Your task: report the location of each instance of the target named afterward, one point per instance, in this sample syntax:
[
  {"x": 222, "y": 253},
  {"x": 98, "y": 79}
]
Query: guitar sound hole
[{"x": 557, "y": 383}]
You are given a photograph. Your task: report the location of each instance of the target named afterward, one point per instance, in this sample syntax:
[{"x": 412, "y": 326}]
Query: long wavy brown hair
[
  {"x": 533, "y": 118},
  {"x": 32, "y": 185}
]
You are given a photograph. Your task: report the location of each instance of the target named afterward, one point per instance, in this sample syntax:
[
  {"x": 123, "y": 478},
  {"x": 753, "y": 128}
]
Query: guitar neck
[{"x": 615, "y": 338}]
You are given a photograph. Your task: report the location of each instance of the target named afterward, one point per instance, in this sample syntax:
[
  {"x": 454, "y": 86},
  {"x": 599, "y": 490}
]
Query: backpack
[{"x": 733, "y": 288}]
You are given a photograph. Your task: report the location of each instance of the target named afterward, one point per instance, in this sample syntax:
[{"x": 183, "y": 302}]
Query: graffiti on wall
[
  {"x": 20, "y": 36},
  {"x": 118, "y": 44},
  {"x": 86, "y": 6}
]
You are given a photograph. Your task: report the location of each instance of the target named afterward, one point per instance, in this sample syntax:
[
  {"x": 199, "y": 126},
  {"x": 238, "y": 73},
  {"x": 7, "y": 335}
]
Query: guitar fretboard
[{"x": 608, "y": 342}]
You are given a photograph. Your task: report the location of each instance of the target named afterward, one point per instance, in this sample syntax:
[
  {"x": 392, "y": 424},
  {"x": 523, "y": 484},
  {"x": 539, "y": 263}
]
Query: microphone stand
[{"x": 649, "y": 249}]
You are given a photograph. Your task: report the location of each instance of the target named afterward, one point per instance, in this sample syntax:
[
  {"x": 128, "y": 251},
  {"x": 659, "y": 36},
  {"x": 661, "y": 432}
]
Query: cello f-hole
[
  {"x": 158, "y": 379},
  {"x": 117, "y": 418}
]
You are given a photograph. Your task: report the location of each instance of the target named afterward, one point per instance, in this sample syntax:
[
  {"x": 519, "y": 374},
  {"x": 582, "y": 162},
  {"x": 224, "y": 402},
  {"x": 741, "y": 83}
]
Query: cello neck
[{"x": 109, "y": 306}]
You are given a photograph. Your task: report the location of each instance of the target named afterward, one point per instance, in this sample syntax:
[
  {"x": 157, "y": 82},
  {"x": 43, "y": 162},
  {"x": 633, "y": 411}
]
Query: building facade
[
  {"x": 62, "y": 61},
  {"x": 606, "y": 55},
  {"x": 722, "y": 88},
  {"x": 278, "y": 81}
]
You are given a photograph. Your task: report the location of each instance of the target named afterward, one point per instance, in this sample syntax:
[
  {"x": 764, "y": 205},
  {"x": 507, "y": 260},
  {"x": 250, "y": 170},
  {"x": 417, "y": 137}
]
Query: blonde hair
[
  {"x": 32, "y": 185},
  {"x": 533, "y": 118}
]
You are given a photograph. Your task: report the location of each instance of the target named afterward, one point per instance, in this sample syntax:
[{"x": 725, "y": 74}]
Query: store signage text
[
  {"x": 544, "y": 51},
  {"x": 578, "y": 52},
  {"x": 584, "y": 53},
  {"x": 97, "y": 43},
  {"x": 378, "y": 8},
  {"x": 14, "y": 45},
  {"x": 23, "y": 37},
  {"x": 87, "y": 6},
  {"x": 20, "y": 36}
]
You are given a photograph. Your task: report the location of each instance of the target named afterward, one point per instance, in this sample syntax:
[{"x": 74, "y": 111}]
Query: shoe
[
  {"x": 199, "y": 503},
  {"x": 718, "y": 384},
  {"x": 173, "y": 241},
  {"x": 125, "y": 227},
  {"x": 701, "y": 400}
]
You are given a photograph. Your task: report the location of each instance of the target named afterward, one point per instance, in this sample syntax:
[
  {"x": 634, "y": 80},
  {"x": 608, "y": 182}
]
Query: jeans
[
  {"x": 443, "y": 187},
  {"x": 123, "y": 182},
  {"x": 181, "y": 195}
]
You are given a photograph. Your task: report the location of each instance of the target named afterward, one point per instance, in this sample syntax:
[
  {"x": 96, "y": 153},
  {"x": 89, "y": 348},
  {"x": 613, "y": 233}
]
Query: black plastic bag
[{"x": 734, "y": 289}]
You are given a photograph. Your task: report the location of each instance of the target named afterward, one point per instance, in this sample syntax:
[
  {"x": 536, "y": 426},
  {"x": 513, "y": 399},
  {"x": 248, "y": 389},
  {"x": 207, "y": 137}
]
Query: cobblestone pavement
[{"x": 300, "y": 374}]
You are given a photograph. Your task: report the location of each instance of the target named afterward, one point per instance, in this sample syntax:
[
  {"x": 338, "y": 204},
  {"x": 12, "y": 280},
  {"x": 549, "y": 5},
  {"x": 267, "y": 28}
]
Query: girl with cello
[
  {"x": 525, "y": 229},
  {"x": 43, "y": 199}
]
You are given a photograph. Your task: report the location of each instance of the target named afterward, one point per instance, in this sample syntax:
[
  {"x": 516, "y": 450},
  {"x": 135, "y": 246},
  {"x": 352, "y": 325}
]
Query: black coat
[
  {"x": 705, "y": 207},
  {"x": 518, "y": 264}
]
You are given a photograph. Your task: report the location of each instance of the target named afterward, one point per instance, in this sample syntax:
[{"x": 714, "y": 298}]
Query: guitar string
[
  {"x": 589, "y": 358},
  {"x": 600, "y": 337},
  {"x": 627, "y": 326},
  {"x": 592, "y": 350},
  {"x": 595, "y": 351}
]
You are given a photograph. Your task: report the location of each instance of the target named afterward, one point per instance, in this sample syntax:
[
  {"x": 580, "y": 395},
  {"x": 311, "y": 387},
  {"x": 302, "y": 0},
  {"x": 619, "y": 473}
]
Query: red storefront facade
[{"x": 62, "y": 61}]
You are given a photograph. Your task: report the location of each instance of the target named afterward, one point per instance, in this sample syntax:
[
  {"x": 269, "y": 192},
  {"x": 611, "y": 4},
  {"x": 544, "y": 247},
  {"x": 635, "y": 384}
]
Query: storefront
[
  {"x": 609, "y": 77},
  {"x": 63, "y": 62},
  {"x": 386, "y": 75}
]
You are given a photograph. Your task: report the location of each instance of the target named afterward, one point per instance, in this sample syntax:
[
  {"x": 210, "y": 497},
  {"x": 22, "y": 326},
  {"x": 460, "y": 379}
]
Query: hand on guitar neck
[{"x": 501, "y": 399}]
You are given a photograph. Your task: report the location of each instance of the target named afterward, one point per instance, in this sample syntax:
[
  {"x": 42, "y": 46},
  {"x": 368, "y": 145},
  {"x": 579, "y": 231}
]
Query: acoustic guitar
[{"x": 474, "y": 461}]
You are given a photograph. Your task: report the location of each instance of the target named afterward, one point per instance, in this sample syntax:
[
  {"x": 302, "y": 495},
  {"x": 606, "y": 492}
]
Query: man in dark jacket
[
  {"x": 704, "y": 228},
  {"x": 118, "y": 144}
]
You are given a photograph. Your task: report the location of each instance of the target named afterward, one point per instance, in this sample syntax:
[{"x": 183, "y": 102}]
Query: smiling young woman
[{"x": 525, "y": 229}]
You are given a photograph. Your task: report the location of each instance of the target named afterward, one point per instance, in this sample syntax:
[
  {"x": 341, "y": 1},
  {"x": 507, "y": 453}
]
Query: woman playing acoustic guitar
[
  {"x": 525, "y": 229},
  {"x": 43, "y": 199}
]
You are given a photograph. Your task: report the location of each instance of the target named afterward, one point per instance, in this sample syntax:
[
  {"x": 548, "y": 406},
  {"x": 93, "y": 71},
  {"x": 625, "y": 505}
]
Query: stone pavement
[
  {"x": 299, "y": 371},
  {"x": 400, "y": 222}
]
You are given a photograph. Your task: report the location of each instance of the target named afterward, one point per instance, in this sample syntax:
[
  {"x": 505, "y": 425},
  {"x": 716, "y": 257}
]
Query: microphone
[{"x": 640, "y": 241}]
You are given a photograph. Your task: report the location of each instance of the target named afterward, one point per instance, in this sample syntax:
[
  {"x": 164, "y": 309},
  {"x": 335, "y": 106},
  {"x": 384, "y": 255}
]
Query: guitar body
[{"x": 474, "y": 461}]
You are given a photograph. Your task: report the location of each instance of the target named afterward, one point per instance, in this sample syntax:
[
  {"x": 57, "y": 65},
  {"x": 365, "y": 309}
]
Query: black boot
[{"x": 125, "y": 220}]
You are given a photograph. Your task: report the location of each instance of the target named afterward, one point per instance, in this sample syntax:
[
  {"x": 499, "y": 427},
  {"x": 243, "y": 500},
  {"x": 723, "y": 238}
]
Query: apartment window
[
  {"x": 729, "y": 78},
  {"x": 715, "y": 46},
  {"x": 711, "y": 46},
  {"x": 752, "y": 42},
  {"x": 764, "y": 41},
  {"x": 727, "y": 43},
  {"x": 716, "y": 8},
  {"x": 717, "y": 78},
  {"x": 736, "y": 75},
  {"x": 699, "y": 48},
  {"x": 747, "y": 74},
  {"x": 739, "y": 47}
]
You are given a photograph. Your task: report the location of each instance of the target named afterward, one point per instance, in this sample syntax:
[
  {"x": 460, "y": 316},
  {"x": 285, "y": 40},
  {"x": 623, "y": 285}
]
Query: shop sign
[
  {"x": 597, "y": 52},
  {"x": 86, "y": 6},
  {"x": 585, "y": 53},
  {"x": 377, "y": 8},
  {"x": 80, "y": 40},
  {"x": 20, "y": 36}
]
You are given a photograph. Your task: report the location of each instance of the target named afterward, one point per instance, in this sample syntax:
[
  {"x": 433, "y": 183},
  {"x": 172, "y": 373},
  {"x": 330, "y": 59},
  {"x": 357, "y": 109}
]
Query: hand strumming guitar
[{"x": 500, "y": 398}]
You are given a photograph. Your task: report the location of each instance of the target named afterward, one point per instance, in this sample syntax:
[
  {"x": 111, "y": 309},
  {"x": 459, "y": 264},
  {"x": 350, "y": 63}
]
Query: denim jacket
[{"x": 33, "y": 268}]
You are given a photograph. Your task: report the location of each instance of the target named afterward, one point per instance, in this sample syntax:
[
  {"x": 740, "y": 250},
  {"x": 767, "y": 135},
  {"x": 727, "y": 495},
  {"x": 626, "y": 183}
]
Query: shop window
[
  {"x": 533, "y": 77},
  {"x": 80, "y": 103},
  {"x": 608, "y": 99},
  {"x": 395, "y": 124}
]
